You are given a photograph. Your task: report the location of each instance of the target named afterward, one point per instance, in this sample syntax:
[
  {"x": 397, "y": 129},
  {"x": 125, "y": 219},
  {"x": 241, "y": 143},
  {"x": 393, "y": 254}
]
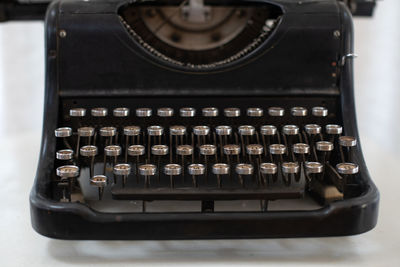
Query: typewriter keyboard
[{"x": 119, "y": 154}]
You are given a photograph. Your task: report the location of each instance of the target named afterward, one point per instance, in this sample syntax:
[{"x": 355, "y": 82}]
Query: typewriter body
[{"x": 200, "y": 120}]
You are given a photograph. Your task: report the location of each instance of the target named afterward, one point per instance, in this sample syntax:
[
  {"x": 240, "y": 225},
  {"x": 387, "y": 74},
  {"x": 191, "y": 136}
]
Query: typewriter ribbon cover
[{"x": 200, "y": 119}]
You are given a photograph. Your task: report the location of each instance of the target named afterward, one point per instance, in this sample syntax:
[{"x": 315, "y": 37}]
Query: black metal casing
[{"x": 99, "y": 59}]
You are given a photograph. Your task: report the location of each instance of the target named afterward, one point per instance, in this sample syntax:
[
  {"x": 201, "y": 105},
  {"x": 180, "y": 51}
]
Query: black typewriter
[{"x": 199, "y": 119}]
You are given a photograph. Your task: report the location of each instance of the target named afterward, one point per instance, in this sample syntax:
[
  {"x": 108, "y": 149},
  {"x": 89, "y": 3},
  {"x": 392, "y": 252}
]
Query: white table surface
[{"x": 377, "y": 96}]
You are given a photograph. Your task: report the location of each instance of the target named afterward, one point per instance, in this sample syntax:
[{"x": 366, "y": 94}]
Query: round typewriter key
[
  {"x": 177, "y": 130},
  {"x": 232, "y": 112},
  {"x": 333, "y": 129},
  {"x": 220, "y": 169},
  {"x": 187, "y": 112},
  {"x": 319, "y": 112},
  {"x": 184, "y": 150},
  {"x": 112, "y": 150},
  {"x": 277, "y": 149},
  {"x": 247, "y": 130},
  {"x": 159, "y": 150},
  {"x": 347, "y": 168},
  {"x": 64, "y": 154},
  {"x": 314, "y": 167},
  {"x": 201, "y": 130},
  {"x": 268, "y": 130},
  {"x": 210, "y": 112},
  {"x": 324, "y": 146},
  {"x": 99, "y": 181},
  {"x": 88, "y": 151},
  {"x": 254, "y": 149},
  {"x": 77, "y": 112},
  {"x": 144, "y": 112},
  {"x": 208, "y": 150},
  {"x": 172, "y": 170},
  {"x": 276, "y": 112},
  {"x": 165, "y": 112},
  {"x": 99, "y": 112},
  {"x": 231, "y": 149},
  {"x": 301, "y": 148},
  {"x": 86, "y": 131},
  {"x": 121, "y": 112},
  {"x": 268, "y": 168},
  {"x": 131, "y": 130},
  {"x": 298, "y": 112},
  {"x": 312, "y": 129},
  {"x": 290, "y": 130},
  {"x": 155, "y": 130},
  {"x": 63, "y": 132},
  {"x": 67, "y": 171},
  {"x": 347, "y": 141},
  {"x": 147, "y": 170},
  {"x": 122, "y": 170},
  {"x": 136, "y": 150},
  {"x": 223, "y": 130},
  {"x": 244, "y": 169},
  {"x": 269, "y": 172},
  {"x": 290, "y": 169},
  {"x": 255, "y": 112},
  {"x": 108, "y": 131},
  {"x": 196, "y": 170}
]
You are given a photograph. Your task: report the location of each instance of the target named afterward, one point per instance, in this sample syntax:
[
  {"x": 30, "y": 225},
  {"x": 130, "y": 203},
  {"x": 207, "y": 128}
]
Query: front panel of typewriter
[{"x": 200, "y": 119}]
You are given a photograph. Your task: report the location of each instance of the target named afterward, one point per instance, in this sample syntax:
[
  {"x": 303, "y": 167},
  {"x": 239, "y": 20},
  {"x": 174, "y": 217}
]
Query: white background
[{"x": 378, "y": 107}]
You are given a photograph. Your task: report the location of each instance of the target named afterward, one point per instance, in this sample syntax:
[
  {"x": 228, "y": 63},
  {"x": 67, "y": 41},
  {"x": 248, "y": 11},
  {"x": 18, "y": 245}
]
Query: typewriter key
[
  {"x": 347, "y": 168},
  {"x": 121, "y": 112},
  {"x": 159, "y": 150},
  {"x": 196, "y": 170},
  {"x": 319, "y": 111},
  {"x": 147, "y": 170},
  {"x": 268, "y": 130},
  {"x": 99, "y": 112},
  {"x": 64, "y": 154},
  {"x": 276, "y": 111},
  {"x": 69, "y": 173},
  {"x": 100, "y": 181},
  {"x": 255, "y": 112},
  {"x": 290, "y": 169},
  {"x": 312, "y": 129},
  {"x": 290, "y": 130},
  {"x": 84, "y": 132},
  {"x": 254, "y": 149},
  {"x": 301, "y": 148},
  {"x": 298, "y": 112},
  {"x": 277, "y": 151},
  {"x": 136, "y": 151},
  {"x": 165, "y": 112},
  {"x": 184, "y": 150},
  {"x": 131, "y": 130},
  {"x": 269, "y": 172},
  {"x": 77, "y": 112},
  {"x": 122, "y": 170},
  {"x": 177, "y": 130},
  {"x": 63, "y": 132},
  {"x": 313, "y": 170},
  {"x": 201, "y": 130},
  {"x": 172, "y": 170},
  {"x": 89, "y": 151},
  {"x": 223, "y": 130},
  {"x": 207, "y": 150},
  {"x": 108, "y": 132},
  {"x": 346, "y": 143},
  {"x": 220, "y": 169},
  {"x": 333, "y": 129},
  {"x": 111, "y": 151},
  {"x": 210, "y": 112},
  {"x": 243, "y": 169},
  {"x": 233, "y": 150},
  {"x": 155, "y": 130},
  {"x": 232, "y": 112},
  {"x": 247, "y": 130},
  {"x": 324, "y": 146},
  {"x": 187, "y": 112},
  {"x": 144, "y": 112}
]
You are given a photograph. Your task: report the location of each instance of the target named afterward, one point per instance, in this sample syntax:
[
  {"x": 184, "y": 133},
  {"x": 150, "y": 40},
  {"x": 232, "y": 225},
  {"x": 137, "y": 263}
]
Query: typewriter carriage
[{"x": 77, "y": 221}]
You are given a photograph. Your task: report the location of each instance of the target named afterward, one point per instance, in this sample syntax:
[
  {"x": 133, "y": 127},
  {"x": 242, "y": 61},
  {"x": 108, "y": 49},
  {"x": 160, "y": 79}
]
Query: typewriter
[{"x": 199, "y": 119}]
